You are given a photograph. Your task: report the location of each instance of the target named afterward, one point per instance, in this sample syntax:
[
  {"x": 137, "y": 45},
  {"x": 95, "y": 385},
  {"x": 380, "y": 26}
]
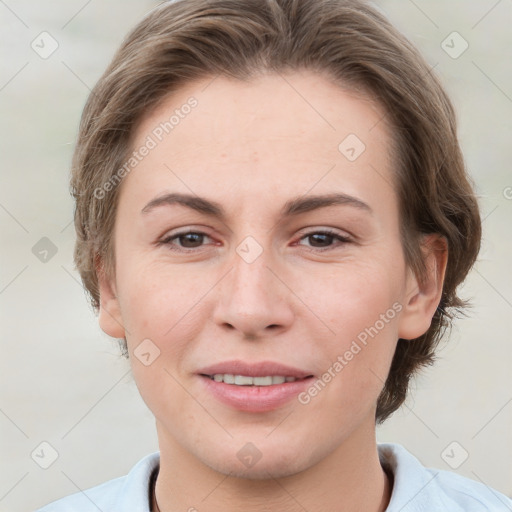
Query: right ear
[{"x": 110, "y": 318}]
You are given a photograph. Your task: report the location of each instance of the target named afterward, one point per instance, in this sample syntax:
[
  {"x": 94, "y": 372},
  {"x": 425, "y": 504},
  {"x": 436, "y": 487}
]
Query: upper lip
[{"x": 254, "y": 369}]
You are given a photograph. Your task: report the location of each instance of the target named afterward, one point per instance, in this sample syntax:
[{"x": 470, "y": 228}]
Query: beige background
[{"x": 62, "y": 380}]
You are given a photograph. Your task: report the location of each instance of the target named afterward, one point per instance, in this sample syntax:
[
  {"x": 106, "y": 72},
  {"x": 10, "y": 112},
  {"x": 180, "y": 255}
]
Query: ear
[
  {"x": 110, "y": 318},
  {"x": 422, "y": 298}
]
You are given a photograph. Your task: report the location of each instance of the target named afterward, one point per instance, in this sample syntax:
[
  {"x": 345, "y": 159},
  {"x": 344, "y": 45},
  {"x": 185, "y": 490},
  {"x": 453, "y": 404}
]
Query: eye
[
  {"x": 319, "y": 240},
  {"x": 187, "y": 240},
  {"x": 323, "y": 240}
]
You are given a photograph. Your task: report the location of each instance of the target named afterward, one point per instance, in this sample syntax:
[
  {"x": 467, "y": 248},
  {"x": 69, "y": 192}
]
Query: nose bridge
[
  {"x": 252, "y": 297},
  {"x": 251, "y": 274}
]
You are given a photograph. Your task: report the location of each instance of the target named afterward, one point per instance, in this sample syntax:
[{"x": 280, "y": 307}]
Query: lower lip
[{"x": 256, "y": 398}]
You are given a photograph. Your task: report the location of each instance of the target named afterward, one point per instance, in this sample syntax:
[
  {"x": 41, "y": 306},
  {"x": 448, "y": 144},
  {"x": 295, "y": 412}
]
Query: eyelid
[
  {"x": 185, "y": 230},
  {"x": 311, "y": 230}
]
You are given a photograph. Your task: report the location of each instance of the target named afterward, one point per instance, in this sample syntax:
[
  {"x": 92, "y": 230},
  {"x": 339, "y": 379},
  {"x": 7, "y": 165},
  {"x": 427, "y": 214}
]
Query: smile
[{"x": 245, "y": 380}]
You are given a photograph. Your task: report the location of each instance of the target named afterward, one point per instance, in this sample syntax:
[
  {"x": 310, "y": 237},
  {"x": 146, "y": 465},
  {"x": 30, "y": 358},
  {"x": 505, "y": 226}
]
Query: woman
[{"x": 273, "y": 214}]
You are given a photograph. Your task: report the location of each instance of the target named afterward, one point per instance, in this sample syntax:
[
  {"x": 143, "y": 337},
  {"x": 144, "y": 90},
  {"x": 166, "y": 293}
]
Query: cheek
[
  {"x": 360, "y": 306},
  {"x": 352, "y": 297},
  {"x": 355, "y": 372},
  {"x": 161, "y": 312},
  {"x": 156, "y": 299}
]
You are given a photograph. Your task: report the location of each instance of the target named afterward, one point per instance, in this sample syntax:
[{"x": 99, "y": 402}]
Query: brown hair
[{"x": 351, "y": 42}]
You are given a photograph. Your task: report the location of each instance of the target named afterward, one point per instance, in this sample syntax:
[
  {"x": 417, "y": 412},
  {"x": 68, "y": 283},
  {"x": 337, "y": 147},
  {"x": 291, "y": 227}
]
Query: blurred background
[{"x": 66, "y": 392}]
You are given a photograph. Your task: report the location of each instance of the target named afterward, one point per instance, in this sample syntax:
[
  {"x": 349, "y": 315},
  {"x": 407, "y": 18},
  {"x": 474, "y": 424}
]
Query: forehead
[{"x": 289, "y": 133}]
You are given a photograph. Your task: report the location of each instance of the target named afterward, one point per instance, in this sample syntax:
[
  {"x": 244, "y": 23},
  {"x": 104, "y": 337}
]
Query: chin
[
  {"x": 266, "y": 462},
  {"x": 262, "y": 470}
]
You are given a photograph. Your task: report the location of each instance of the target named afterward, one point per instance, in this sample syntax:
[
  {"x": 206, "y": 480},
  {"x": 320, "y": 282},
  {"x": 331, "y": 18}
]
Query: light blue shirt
[{"x": 415, "y": 489}]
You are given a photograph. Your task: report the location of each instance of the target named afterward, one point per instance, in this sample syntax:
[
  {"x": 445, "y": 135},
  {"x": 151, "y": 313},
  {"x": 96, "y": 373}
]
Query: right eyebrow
[{"x": 197, "y": 203}]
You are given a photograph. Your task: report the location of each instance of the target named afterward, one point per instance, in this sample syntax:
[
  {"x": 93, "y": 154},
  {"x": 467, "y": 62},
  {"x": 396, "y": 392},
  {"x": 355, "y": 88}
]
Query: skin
[{"x": 252, "y": 146}]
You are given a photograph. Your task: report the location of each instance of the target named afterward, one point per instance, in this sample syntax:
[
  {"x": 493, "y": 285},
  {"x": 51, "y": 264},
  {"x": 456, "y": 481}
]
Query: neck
[{"x": 349, "y": 479}]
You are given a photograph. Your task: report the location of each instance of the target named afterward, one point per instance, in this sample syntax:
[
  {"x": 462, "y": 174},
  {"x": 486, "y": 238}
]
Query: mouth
[
  {"x": 262, "y": 373},
  {"x": 254, "y": 387},
  {"x": 247, "y": 380}
]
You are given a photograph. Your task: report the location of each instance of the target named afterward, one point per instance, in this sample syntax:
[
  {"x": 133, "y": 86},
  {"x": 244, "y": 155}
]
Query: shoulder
[
  {"x": 127, "y": 493},
  {"x": 417, "y": 488}
]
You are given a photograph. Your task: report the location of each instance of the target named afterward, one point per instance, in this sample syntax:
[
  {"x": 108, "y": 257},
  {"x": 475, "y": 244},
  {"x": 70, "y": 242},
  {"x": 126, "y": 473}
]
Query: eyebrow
[{"x": 295, "y": 206}]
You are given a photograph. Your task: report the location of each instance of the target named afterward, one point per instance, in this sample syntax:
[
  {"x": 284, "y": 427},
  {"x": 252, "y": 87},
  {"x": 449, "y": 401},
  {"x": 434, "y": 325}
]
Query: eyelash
[{"x": 341, "y": 239}]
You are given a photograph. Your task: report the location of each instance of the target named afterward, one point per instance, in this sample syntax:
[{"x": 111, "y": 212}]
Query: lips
[
  {"x": 254, "y": 398},
  {"x": 257, "y": 369}
]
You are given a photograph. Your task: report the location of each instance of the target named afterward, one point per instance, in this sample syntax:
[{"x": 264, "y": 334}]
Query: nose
[{"x": 253, "y": 298}]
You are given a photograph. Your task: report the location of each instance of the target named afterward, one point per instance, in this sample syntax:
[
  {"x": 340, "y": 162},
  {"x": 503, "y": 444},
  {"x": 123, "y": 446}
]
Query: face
[{"x": 286, "y": 252}]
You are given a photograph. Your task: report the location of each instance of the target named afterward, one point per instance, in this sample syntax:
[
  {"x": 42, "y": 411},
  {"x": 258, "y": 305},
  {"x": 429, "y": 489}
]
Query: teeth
[
  {"x": 245, "y": 380},
  {"x": 229, "y": 379},
  {"x": 262, "y": 381},
  {"x": 241, "y": 380}
]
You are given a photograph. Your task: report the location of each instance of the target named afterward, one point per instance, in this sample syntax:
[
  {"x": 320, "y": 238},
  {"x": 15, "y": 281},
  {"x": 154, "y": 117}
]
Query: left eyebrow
[
  {"x": 304, "y": 204},
  {"x": 295, "y": 206}
]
